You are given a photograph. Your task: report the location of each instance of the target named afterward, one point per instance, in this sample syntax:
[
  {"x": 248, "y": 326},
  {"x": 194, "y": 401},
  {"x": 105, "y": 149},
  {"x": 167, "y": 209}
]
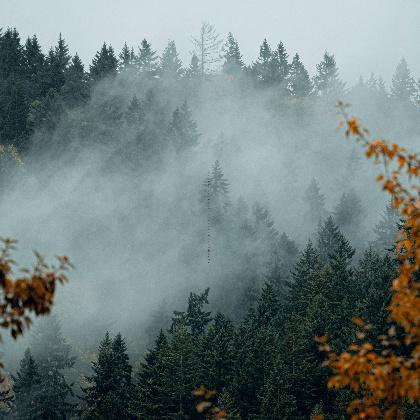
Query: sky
[{"x": 365, "y": 35}]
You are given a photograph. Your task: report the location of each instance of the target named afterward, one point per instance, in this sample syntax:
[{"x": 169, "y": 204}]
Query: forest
[{"x": 217, "y": 220}]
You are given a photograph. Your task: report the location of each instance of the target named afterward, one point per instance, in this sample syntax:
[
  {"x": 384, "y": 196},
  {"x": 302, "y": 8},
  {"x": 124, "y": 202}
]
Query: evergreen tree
[
  {"x": 182, "y": 130},
  {"x": 170, "y": 64},
  {"x": 104, "y": 64},
  {"x": 76, "y": 88},
  {"x": 109, "y": 393},
  {"x": 327, "y": 81},
  {"x": 34, "y": 68},
  {"x": 386, "y": 230},
  {"x": 149, "y": 397},
  {"x": 11, "y": 55},
  {"x": 403, "y": 86},
  {"x": 280, "y": 58},
  {"x": 53, "y": 356},
  {"x": 126, "y": 58},
  {"x": 299, "y": 82},
  {"x": 315, "y": 204},
  {"x": 348, "y": 215},
  {"x": 57, "y": 60},
  {"x": 147, "y": 59},
  {"x": 233, "y": 63},
  {"x": 216, "y": 191},
  {"x": 217, "y": 354},
  {"x": 193, "y": 70},
  {"x": 135, "y": 112},
  {"x": 264, "y": 68},
  {"x": 27, "y": 389}
]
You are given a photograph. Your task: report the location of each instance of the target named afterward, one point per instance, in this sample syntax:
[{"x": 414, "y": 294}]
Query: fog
[
  {"x": 366, "y": 36},
  {"x": 132, "y": 223}
]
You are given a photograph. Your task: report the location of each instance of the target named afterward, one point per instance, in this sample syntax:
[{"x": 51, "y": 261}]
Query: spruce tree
[
  {"x": 150, "y": 394},
  {"x": 386, "y": 230},
  {"x": 217, "y": 354},
  {"x": 280, "y": 58},
  {"x": 34, "y": 68},
  {"x": 76, "y": 88},
  {"x": 104, "y": 64},
  {"x": 193, "y": 70},
  {"x": 27, "y": 389},
  {"x": 299, "y": 81},
  {"x": 135, "y": 112},
  {"x": 57, "y": 61},
  {"x": 146, "y": 61},
  {"x": 314, "y": 205},
  {"x": 170, "y": 64},
  {"x": 53, "y": 356},
  {"x": 126, "y": 58},
  {"x": 403, "y": 86},
  {"x": 109, "y": 391},
  {"x": 233, "y": 63},
  {"x": 327, "y": 81},
  {"x": 264, "y": 68},
  {"x": 182, "y": 131}
]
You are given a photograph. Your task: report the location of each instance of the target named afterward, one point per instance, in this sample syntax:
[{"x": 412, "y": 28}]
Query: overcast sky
[{"x": 364, "y": 35}]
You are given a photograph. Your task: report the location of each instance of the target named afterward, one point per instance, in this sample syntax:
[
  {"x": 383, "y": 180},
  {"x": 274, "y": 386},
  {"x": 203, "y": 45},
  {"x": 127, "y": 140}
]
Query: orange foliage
[
  {"x": 31, "y": 293},
  {"x": 206, "y": 406},
  {"x": 385, "y": 380}
]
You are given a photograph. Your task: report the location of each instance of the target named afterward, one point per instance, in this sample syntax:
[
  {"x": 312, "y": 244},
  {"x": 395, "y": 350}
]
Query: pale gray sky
[{"x": 364, "y": 35}]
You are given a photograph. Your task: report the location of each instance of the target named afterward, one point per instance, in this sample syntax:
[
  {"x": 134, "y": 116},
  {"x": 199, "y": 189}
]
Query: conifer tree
[
  {"x": 150, "y": 394},
  {"x": 402, "y": 87},
  {"x": 299, "y": 81},
  {"x": 34, "y": 68},
  {"x": 57, "y": 60},
  {"x": 27, "y": 389},
  {"x": 11, "y": 54},
  {"x": 104, "y": 64},
  {"x": 233, "y": 63},
  {"x": 76, "y": 88},
  {"x": 126, "y": 58},
  {"x": 217, "y": 354},
  {"x": 327, "y": 81},
  {"x": 182, "y": 131},
  {"x": 193, "y": 70},
  {"x": 135, "y": 112},
  {"x": 170, "y": 64},
  {"x": 315, "y": 204},
  {"x": 386, "y": 230},
  {"x": 109, "y": 393},
  {"x": 146, "y": 59},
  {"x": 280, "y": 58},
  {"x": 53, "y": 356},
  {"x": 264, "y": 68}
]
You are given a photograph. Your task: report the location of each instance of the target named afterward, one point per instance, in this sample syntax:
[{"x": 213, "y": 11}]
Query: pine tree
[
  {"x": 403, "y": 87},
  {"x": 147, "y": 59},
  {"x": 182, "y": 131},
  {"x": 57, "y": 60},
  {"x": 348, "y": 215},
  {"x": 170, "y": 63},
  {"x": 27, "y": 389},
  {"x": 233, "y": 63},
  {"x": 150, "y": 393},
  {"x": 34, "y": 68},
  {"x": 104, "y": 64},
  {"x": 299, "y": 82},
  {"x": 126, "y": 58},
  {"x": 216, "y": 191},
  {"x": 76, "y": 88},
  {"x": 315, "y": 205},
  {"x": 280, "y": 58},
  {"x": 386, "y": 230},
  {"x": 53, "y": 356},
  {"x": 109, "y": 393},
  {"x": 193, "y": 70},
  {"x": 331, "y": 241},
  {"x": 264, "y": 68},
  {"x": 217, "y": 354},
  {"x": 327, "y": 81}
]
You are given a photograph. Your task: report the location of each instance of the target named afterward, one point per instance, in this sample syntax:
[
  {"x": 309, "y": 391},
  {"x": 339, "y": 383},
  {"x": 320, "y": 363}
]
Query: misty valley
[{"x": 226, "y": 244}]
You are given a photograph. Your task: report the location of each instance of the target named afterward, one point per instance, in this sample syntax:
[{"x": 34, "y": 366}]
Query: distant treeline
[{"x": 35, "y": 87}]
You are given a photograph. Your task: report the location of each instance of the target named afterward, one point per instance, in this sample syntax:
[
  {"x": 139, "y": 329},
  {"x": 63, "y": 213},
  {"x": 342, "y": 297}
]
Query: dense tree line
[{"x": 37, "y": 87}]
